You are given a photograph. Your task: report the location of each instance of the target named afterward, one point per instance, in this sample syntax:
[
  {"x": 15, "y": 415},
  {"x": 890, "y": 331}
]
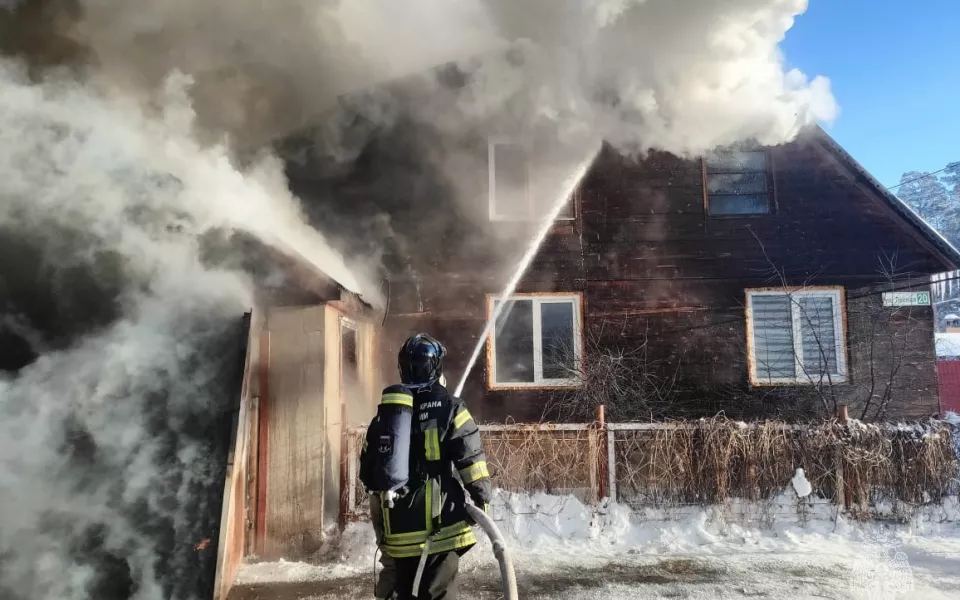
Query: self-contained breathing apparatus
[
  {"x": 420, "y": 362},
  {"x": 391, "y": 460}
]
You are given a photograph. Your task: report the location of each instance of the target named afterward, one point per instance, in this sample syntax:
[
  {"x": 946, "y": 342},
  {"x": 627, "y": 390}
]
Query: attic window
[
  {"x": 511, "y": 195},
  {"x": 736, "y": 183}
]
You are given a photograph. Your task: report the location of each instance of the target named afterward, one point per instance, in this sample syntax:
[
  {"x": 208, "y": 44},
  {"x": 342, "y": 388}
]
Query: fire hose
[{"x": 507, "y": 576}]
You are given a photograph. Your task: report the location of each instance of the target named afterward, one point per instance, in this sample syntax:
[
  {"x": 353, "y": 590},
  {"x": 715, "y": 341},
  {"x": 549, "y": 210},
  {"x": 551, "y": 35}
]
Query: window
[
  {"x": 796, "y": 337},
  {"x": 536, "y": 343},
  {"x": 736, "y": 183},
  {"x": 509, "y": 181}
]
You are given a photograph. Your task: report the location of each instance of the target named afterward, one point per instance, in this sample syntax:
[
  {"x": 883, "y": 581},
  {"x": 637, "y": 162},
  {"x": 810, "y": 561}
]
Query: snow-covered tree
[
  {"x": 936, "y": 197},
  {"x": 926, "y": 194},
  {"x": 951, "y": 177}
]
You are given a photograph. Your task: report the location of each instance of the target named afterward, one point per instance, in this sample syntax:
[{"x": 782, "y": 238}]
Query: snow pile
[
  {"x": 541, "y": 518},
  {"x": 555, "y": 524},
  {"x": 294, "y": 571},
  {"x": 801, "y": 485},
  {"x": 558, "y": 532}
]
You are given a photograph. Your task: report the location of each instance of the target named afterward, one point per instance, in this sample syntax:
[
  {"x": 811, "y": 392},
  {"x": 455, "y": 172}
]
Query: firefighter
[{"x": 423, "y": 435}]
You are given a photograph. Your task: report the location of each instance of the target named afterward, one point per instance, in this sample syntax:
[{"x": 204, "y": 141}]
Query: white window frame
[
  {"x": 538, "y": 300},
  {"x": 840, "y": 337}
]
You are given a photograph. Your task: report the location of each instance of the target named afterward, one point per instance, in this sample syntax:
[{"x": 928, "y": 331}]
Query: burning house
[
  {"x": 755, "y": 282},
  {"x": 666, "y": 284}
]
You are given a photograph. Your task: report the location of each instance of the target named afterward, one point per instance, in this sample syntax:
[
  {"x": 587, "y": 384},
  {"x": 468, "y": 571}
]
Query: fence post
[
  {"x": 611, "y": 464},
  {"x": 603, "y": 463},
  {"x": 843, "y": 417},
  {"x": 593, "y": 461}
]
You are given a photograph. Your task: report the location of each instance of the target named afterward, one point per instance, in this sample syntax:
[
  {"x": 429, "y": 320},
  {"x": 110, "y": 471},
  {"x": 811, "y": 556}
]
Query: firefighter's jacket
[{"x": 445, "y": 439}]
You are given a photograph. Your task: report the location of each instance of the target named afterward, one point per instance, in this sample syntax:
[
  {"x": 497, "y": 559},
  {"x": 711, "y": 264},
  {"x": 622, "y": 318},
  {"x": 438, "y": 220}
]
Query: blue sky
[{"x": 895, "y": 71}]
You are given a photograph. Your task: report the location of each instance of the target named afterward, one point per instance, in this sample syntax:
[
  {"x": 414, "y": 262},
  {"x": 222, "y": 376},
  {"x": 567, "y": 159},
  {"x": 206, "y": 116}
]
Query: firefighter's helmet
[{"x": 421, "y": 360}]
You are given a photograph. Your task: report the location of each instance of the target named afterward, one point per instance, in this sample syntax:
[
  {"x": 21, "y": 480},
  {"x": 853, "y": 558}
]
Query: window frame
[
  {"x": 559, "y": 222},
  {"x": 771, "y": 180},
  {"x": 538, "y": 299},
  {"x": 492, "y": 179},
  {"x": 801, "y": 378}
]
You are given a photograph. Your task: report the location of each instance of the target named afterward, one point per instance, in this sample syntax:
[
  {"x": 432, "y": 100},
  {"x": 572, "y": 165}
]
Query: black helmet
[{"x": 421, "y": 360}]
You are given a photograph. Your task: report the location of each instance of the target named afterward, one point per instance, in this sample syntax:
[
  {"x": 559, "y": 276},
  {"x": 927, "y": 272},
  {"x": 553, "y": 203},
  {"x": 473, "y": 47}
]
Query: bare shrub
[
  {"x": 542, "y": 459},
  {"x": 625, "y": 380},
  {"x": 710, "y": 461}
]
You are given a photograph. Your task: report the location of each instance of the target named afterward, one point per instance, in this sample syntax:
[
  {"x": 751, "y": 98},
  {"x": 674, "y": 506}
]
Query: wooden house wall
[{"x": 653, "y": 268}]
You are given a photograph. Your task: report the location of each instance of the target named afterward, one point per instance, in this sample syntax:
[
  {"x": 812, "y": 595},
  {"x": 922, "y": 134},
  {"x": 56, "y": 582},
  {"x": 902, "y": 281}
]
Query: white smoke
[
  {"x": 683, "y": 76},
  {"x": 267, "y": 67},
  {"x": 677, "y": 75},
  {"x": 110, "y": 443}
]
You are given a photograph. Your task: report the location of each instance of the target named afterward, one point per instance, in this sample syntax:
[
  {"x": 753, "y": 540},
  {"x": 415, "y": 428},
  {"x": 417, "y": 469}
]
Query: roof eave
[{"x": 945, "y": 251}]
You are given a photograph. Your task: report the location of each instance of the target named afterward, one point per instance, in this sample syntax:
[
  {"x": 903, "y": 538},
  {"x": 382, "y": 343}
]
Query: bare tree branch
[{"x": 623, "y": 378}]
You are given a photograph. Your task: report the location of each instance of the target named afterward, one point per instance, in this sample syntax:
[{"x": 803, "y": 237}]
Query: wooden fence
[{"x": 864, "y": 469}]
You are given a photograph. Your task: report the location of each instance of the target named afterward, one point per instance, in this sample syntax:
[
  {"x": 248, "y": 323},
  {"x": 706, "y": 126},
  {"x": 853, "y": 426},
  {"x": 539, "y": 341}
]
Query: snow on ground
[{"x": 564, "y": 549}]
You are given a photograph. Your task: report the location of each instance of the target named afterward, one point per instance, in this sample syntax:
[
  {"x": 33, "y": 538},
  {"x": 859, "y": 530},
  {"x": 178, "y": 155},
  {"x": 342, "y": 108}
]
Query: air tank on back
[{"x": 391, "y": 458}]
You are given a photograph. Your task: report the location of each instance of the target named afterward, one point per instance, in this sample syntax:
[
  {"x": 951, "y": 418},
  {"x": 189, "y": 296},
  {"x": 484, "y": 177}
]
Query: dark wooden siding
[{"x": 653, "y": 268}]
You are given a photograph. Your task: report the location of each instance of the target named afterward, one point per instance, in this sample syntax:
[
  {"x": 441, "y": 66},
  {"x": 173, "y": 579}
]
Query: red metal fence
[{"x": 948, "y": 380}]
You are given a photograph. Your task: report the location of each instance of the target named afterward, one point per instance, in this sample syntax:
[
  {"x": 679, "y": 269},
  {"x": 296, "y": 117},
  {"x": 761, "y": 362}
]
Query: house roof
[
  {"x": 308, "y": 276},
  {"x": 331, "y": 265},
  {"x": 284, "y": 273},
  {"x": 944, "y": 250}
]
